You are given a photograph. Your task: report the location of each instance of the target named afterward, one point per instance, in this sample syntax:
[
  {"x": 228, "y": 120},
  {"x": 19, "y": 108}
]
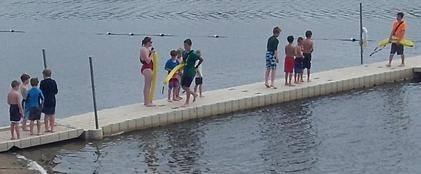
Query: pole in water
[
  {"x": 93, "y": 92},
  {"x": 361, "y": 33},
  {"x": 44, "y": 58}
]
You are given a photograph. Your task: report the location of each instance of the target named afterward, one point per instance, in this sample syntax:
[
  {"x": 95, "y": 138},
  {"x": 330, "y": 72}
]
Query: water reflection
[{"x": 290, "y": 138}]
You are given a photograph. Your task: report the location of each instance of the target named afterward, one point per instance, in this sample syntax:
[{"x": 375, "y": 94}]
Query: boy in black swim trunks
[
  {"x": 307, "y": 50},
  {"x": 190, "y": 59},
  {"x": 49, "y": 89},
  {"x": 199, "y": 78},
  {"x": 15, "y": 111}
]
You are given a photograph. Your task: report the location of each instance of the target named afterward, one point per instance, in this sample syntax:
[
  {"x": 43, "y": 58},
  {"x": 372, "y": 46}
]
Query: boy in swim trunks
[
  {"x": 397, "y": 34},
  {"x": 49, "y": 89},
  {"x": 15, "y": 111},
  {"x": 289, "y": 60},
  {"x": 272, "y": 57},
  {"x": 24, "y": 92},
  {"x": 299, "y": 58},
  {"x": 199, "y": 78},
  {"x": 307, "y": 50},
  {"x": 190, "y": 59},
  {"x": 173, "y": 84},
  {"x": 34, "y": 102}
]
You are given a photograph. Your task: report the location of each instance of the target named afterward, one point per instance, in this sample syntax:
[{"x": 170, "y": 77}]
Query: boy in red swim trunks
[{"x": 289, "y": 60}]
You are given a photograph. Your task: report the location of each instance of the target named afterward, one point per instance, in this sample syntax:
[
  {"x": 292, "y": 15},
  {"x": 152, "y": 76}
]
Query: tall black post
[
  {"x": 93, "y": 92},
  {"x": 361, "y": 34},
  {"x": 44, "y": 58}
]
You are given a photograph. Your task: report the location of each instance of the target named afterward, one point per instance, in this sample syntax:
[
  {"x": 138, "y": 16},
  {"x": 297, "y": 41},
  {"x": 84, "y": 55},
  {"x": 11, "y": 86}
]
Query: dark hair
[
  {"x": 46, "y": 73},
  {"x": 173, "y": 53},
  {"x": 188, "y": 42},
  {"x": 14, "y": 83},
  {"x": 276, "y": 30},
  {"x": 34, "y": 82},
  {"x": 300, "y": 39},
  {"x": 309, "y": 33},
  {"x": 146, "y": 40},
  {"x": 290, "y": 39},
  {"x": 400, "y": 14},
  {"x": 24, "y": 77}
]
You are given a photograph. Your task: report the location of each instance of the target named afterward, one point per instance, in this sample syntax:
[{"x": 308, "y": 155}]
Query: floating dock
[{"x": 115, "y": 121}]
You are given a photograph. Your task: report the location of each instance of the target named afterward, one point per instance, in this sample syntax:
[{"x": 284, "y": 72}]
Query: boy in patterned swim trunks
[
  {"x": 289, "y": 61},
  {"x": 307, "y": 50},
  {"x": 174, "y": 84},
  {"x": 272, "y": 58}
]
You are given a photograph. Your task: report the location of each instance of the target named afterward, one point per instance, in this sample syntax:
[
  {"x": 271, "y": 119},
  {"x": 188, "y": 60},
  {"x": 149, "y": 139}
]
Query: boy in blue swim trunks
[
  {"x": 173, "y": 84},
  {"x": 272, "y": 58},
  {"x": 34, "y": 102},
  {"x": 15, "y": 111}
]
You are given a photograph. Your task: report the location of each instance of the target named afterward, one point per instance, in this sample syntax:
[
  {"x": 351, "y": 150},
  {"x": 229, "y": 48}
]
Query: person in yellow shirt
[{"x": 397, "y": 34}]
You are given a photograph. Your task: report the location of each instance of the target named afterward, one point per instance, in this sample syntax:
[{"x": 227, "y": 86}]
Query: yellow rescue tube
[
  {"x": 404, "y": 42},
  {"x": 155, "y": 60},
  {"x": 172, "y": 72}
]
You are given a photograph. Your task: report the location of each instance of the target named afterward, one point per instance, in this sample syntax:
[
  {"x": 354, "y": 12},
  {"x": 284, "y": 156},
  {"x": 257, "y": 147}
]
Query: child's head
[
  {"x": 25, "y": 78},
  {"x": 187, "y": 44},
  {"x": 173, "y": 53},
  {"x": 300, "y": 40},
  {"x": 276, "y": 31},
  {"x": 199, "y": 53},
  {"x": 290, "y": 39},
  {"x": 309, "y": 34},
  {"x": 180, "y": 52},
  {"x": 46, "y": 73},
  {"x": 34, "y": 82},
  {"x": 15, "y": 84}
]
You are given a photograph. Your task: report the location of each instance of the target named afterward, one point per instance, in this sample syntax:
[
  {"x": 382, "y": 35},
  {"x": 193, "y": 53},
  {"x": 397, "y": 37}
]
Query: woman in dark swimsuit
[{"x": 146, "y": 53}]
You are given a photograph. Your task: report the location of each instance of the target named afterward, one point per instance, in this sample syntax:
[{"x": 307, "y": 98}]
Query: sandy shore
[{"x": 10, "y": 164}]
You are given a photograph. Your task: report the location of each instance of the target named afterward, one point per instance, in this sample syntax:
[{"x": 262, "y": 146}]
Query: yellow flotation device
[
  {"x": 155, "y": 60},
  {"x": 404, "y": 42},
  {"x": 172, "y": 72}
]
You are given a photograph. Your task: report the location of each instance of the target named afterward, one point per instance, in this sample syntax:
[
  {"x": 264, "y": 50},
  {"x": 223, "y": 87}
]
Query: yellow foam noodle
[
  {"x": 155, "y": 60},
  {"x": 172, "y": 72},
  {"x": 404, "y": 42}
]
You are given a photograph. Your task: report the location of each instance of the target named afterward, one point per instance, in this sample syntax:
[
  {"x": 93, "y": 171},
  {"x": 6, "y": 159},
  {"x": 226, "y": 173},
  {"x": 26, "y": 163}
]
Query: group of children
[
  {"x": 297, "y": 58},
  {"x": 184, "y": 78},
  {"x": 27, "y": 102}
]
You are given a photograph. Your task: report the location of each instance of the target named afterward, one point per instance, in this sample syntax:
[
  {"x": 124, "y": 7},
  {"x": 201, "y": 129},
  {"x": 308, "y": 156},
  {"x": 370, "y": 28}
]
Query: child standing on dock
[
  {"x": 24, "y": 92},
  {"x": 34, "y": 102},
  {"x": 299, "y": 58},
  {"x": 272, "y": 57},
  {"x": 189, "y": 72},
  {"x": 289, "y": 60},
  {"x": 49, "y": 89},
  {"x": 307, "y": 50},
  {"x": 15, "y": 111},
  {"x": 173, "y": 84},
  {"x": 199, "y": 78}
]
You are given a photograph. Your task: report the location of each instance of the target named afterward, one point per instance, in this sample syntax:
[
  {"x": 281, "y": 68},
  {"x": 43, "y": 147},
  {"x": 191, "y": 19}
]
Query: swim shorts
[
  {"x": 298, "y": 68},
  {"x": 186, "y": 80},
  {"x": 14, "y": 113},
  {"x": 289, "y": 64},
  {"x": 270, "y": 60},
  {"x": 173, "y": 83},
  {"x": 395, "y": 48},
  {"x": 198, "y": 80},
  {"x": 34, "y": 113},
  {"x": 307, "y": 61}
]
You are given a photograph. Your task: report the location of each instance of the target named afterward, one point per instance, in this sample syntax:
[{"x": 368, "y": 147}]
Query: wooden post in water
[
  {"x": 93, "y": 92},
  {"x": 44, "y": 58},
  {"x": 361, "y": 33}
]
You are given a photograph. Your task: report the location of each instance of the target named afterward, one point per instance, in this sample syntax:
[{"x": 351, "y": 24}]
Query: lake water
[
  {"x": 365, "y": 131},
  {"x": 72, "y": 30}
]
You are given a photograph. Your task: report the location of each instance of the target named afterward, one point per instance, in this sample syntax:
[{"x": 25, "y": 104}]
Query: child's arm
[
  {"x": 200, "y": 62},
  {"x": 55, "y": 89},
  {"x": 20, "y": 105}
]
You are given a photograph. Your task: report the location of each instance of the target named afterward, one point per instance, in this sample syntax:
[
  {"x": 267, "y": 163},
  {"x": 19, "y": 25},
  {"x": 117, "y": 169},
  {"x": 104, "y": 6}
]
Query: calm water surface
[
  {"x": 372, "y": 131},
  {"x": 369, "y": 131}
]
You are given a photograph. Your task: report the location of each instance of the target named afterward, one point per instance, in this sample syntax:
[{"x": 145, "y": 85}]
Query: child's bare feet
[
  {"x": 194, "y": 97},
  {"x": 267, "y": 86},
  {"x": 401, "y": 65},
  {"x": 388, "y": 65},
  {"x": 179, "y": 98},
  {"x": 170, "y": 101},
  {"x": 150, "y": 105},
  {"x": 13, "y": 138}
]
